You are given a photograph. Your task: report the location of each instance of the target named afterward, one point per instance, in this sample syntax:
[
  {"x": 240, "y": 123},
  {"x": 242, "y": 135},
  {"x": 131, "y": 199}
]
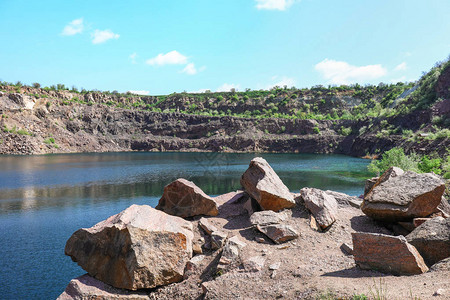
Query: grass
[
  {"x": 16, "y": 131},
  {"x": 378, "y": 291},
  {"x": 49, "y": 141}
]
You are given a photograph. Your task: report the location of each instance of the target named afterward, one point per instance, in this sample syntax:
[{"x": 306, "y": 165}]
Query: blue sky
[{"x": 164, "y": 46}]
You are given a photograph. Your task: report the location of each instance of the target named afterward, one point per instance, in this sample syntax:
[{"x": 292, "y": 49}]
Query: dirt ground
[{"x": 313, "y": 266}]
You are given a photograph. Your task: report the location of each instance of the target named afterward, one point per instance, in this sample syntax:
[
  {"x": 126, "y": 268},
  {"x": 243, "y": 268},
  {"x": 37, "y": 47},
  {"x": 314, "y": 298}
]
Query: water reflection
[{"x": 36, "y": 182}]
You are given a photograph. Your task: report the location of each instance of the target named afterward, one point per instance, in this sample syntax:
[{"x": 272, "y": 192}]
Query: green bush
[
  {"x": 446, "y": 166},
  {"x": 23, "y": 132},
  {"x": 49, "y": 141},
  {"x": 395, "y": 157},
  {"x": 316, "y": 130},
  {"x": 345, "y": 131},
  {"x": 428, "y": 165}
]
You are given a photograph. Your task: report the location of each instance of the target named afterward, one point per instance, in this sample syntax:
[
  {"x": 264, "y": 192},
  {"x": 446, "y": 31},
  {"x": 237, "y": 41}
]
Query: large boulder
[
  {"x": 262, "y": 183},
  {"x": 270, "y": 223},
  {"x": 432, "y": 239},
  {"x": 387, "y": 254},
  {"x": 183, "y": 198},
  {"x": 140, "y": 247},
  {"x": 87, "y": 287},
  {"x": 390, "y": 173},
  {"x": 322, "y": 205},
  {"x": 403, "y": 197}
]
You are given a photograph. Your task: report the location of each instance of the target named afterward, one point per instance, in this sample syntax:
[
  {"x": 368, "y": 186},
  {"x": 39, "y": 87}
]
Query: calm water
[{"x": 44, "y": 199}]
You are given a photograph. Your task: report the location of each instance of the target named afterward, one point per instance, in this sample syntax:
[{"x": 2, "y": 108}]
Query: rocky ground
[
  {"x": 311, "y": 266},
  {"x": 304, "y": 251}
]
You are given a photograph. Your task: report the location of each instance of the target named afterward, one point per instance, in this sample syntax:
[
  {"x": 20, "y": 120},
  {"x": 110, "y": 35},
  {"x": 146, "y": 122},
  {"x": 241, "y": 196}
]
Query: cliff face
[
  {"x": 350, "y": 120},
  {"x": 57, "y": 124}
]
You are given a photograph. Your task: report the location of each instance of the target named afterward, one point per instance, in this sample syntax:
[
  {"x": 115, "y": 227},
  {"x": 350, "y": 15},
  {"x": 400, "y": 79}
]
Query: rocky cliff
[{"x": 350, "y": 120}]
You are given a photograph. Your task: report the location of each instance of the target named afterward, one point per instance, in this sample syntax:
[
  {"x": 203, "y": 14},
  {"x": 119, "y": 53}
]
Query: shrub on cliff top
[{"x": 395, "y": 157}]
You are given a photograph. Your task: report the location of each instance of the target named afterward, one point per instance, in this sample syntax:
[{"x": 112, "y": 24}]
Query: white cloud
[
  {"x": 74, "y": 27},
  {"x": 170, "y": 58},
  {"x": 340, "y": 72},
  {"x": 274, "y": 4},
  {"x": 101, "y": 36},
  {"x": 226, "y": 87},
  {"x": 133, "y": 57},
  {"x": 190, "y": 69},
  {"x": 400, "y": 67},
  {"x": 140, "y": 92}
]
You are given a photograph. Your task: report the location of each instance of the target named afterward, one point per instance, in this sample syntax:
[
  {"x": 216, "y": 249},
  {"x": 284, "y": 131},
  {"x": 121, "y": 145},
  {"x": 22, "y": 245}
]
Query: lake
[{"x": 44, "y": 199}]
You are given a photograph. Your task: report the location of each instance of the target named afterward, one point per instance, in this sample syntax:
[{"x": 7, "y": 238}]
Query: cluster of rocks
[
  {"x": 144, "y": 248},
  {"x": 412, "y": 205}
]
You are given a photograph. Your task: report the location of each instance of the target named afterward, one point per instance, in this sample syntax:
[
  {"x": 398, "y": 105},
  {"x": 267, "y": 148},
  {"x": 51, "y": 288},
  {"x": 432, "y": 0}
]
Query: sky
[{"x": 159, "y": 47}]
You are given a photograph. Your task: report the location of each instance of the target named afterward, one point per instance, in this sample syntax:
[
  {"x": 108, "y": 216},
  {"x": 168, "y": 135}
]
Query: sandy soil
[{"x": 309, "y": 267}]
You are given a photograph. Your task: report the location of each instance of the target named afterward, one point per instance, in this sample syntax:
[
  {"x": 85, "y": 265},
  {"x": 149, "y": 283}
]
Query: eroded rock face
[
  {"x": 432, "y": 239},
  {"x": 403, "y": 197},
  {"x": 183, "y": 198},
  {"x": 387, "y": 254},
  {"x": 87, "y": 287},
  {"x": 323, "y": 206},
  {"x": 141, "y": 247},
  {"x": 262, "y": 183}
]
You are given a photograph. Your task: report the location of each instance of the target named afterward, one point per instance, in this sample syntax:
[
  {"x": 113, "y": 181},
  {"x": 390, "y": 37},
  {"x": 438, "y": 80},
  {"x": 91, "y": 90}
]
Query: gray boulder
[
  {"x": 443, "y": 265},
  {"x": 270, "y": 223},
  {"x": 87, "y": 287},
  {"x": 323, "y": 206},
  {"x": 403, "y": 197},
  {"x": 390, "y": 173},
  {"x": 141, "y": 247},
  {"x": 183, "y": 198},
  {"x": 262, "y": 183},
  {"x": 267, "y": 217},
  {"x": 279, "y": 233},
  {"x": 387, "y": 254},
  {"x": 432, "y": 239}
]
